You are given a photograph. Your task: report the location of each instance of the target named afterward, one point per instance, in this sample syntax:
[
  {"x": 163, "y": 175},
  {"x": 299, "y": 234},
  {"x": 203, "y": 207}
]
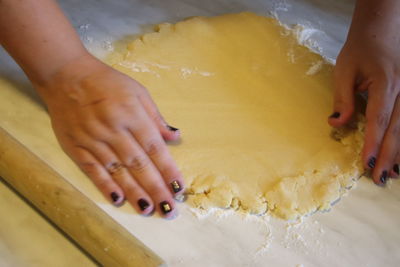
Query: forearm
[
  {"x": 376, "y": 19},
  {"x": 39, "y": 37}
]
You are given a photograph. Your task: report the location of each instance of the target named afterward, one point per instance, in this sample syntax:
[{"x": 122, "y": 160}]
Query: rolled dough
[{"x": 252, "y": 106}]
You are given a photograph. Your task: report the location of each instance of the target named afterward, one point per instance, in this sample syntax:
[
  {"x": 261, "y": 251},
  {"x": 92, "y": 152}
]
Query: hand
[
  {"x": 105, "y": 121},
  {"x": 108, "y": 124},
  {"x": 371, "y": 63}
]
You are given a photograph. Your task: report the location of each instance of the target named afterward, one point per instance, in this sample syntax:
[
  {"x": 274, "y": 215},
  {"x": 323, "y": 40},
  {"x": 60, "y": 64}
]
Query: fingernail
[
  {"x": 114, "y": 197},
  {"x": 143, "y": 204},
  {"x": 165, "y": 207},
  {"x": 396, "y": 168},
  {"x": 335, "y": 115},
  {"x": 371, "y": 162},
  {"x": 176, "y": 187},
  {"x": 173, "y": 129},
  {"x": 384, "y": 177}
]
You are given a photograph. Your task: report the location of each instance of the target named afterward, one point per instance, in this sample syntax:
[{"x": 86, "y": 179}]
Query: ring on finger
[{"x": 115, "y": 168}]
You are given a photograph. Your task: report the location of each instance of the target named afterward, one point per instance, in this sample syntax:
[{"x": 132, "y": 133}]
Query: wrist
[
  {"x": 62, "y": 81},
  {"x": 43, "y": 74},
  {"x": 375, "y": 21}
]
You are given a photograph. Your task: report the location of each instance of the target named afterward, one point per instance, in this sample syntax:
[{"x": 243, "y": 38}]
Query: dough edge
[{"x": 213, "y": 191}]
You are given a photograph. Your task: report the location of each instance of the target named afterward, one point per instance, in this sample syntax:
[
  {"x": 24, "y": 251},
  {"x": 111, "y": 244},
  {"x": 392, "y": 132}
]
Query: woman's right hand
[{"x": 110, "y": 127}]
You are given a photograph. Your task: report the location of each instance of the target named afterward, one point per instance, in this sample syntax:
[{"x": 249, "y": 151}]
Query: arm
[
  {"x": 370, "y": 61},
  {"x": 105, "y": 121},
  {"x": 38, "y": 37}
]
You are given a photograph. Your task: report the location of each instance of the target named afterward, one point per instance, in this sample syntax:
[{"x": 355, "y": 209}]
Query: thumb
[
  {"x": 168, "y": 132},
  {"x": 343, "y": 100}
]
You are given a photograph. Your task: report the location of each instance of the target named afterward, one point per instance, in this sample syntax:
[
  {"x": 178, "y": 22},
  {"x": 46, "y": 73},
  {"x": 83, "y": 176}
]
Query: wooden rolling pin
[{"x": 103, "y": 238}]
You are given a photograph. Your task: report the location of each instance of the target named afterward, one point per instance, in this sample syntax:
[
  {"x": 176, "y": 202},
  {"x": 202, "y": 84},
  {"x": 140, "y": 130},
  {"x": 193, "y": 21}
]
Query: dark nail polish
[
  {"x": 173, "y": 129},
  {"x": 384, "y": 177},
  {"x": 176, "y": 187},
  {"x": 371, "y": 162},
  {"x": 165, "y": 207},
  {"x": 114, "y": 197},
  {"x": 335, "y": 115},
  {"x": 396, "y": 168},
  {"x": 143, "y": 204}
]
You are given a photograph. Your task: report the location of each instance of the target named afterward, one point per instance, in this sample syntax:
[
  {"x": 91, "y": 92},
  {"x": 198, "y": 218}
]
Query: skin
[
  {"x": 102, "y": 118},
  {"x": 110, "y": 127},
  {"x": 370, "y": 61}
]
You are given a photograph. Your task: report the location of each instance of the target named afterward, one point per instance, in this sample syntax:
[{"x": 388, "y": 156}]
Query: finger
[
  {"x": 150, "y": 179},
  {"x": 158, "y": 152},
  {"x": 378, "y": 113},
  {"x": 144, "y": 171},
  {"x": 384, "y": 167},
  {"x": 134, "y": 193},
  {"x": 96, "y": 172},
  {"x": 114, "y": 166},
  {"x": 396, "y": 166},
  {"x": 152, "y": 144},
  {"x": 168, "y": 132},
  {"x": 343, "y": 105}
]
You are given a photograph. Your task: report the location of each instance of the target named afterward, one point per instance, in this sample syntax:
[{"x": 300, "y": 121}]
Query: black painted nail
[
  {"x": 396, "y": 168},
  {"x": 176, "y": 186},
  {"x": 143, "y": 204},
  {"x": 335, "y": 115},
  {"x": 173, "y": 129},
  {"x": 384, "y": 177},
  {"x": 371, "y": 162},
  {"x": 165, "y": 207},
  {"x": 114, "y": 197}
]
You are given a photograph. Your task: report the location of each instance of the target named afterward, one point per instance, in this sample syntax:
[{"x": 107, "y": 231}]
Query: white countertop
[{"x": 361, "y": 230}]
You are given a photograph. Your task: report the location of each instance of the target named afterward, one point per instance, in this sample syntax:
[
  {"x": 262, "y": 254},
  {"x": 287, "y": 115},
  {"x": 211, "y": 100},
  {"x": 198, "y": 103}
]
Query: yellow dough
[{"x": 252, "y": 105}]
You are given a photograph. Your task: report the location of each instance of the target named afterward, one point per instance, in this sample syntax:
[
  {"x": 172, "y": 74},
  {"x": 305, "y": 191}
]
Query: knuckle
[
  {"x": 157, "y": 117},
  {"x": 91, "y": 128},
  {"x": 89, "y": 167},
  {"x": 113, "y": 121},
  {"x": 154, "y": 147},
  {"x": 112, "y": 116},
  {"x": 91, "y": 170},
  {"x": 382, "y": 119},
  {"x": 129, "y": 105},
  {"x": 138, "y": 163},
  {"x": 75, "y": 134},
  {"x": 86, "y": 82}
]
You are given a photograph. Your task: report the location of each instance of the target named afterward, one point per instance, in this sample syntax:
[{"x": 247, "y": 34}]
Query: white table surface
[{"x": 361, "y": 230}]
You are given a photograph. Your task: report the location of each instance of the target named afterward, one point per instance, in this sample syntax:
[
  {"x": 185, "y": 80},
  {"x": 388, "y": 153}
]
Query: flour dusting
[
  {"x": 315, "y": 68},
  {"x": 186, "y": 72}
]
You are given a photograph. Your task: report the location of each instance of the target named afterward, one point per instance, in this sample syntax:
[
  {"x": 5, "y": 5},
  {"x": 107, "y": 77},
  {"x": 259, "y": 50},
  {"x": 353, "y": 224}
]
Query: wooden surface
[{"x": 103, "y": 238}]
